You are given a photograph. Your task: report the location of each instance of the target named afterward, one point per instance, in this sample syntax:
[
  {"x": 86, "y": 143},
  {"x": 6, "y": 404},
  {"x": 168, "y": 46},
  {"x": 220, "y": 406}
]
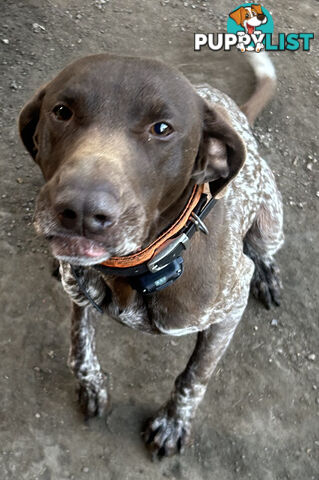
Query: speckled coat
[{"x": 250, "y": 210}]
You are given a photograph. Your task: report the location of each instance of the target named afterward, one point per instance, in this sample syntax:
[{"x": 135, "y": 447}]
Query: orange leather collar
[{"x": 147, "y": 253}]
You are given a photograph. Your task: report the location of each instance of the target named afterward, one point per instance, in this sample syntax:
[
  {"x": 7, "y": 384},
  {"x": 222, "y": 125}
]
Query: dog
[
  {"x": 249, "y": 18},
  {"x": 128, "y": 148}
]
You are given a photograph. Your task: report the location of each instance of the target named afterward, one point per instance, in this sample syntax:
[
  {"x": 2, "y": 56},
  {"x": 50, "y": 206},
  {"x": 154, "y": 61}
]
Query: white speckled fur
[{"x": 85, "y": 365}]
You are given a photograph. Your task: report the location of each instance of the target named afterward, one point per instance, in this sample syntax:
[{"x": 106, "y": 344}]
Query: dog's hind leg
[
  {"x": 266, "y": 283},
  {"x": 83, "y": 361},
  {"x": 263, "y": 240}
]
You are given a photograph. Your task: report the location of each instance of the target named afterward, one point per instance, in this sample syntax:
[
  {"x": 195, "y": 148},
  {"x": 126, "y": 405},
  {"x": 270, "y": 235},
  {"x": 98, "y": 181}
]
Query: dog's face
[
  {"x": 249, "y": 17},
  {"x": 120, "y": 142}
]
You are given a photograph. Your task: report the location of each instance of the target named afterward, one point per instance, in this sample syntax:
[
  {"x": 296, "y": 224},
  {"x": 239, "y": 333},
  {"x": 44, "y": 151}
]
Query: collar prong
[{"x": 199, "y": 224}]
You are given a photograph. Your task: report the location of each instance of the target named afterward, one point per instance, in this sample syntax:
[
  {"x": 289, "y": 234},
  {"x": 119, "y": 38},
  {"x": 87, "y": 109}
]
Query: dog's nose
[
  {"x": 86, "y": 213},
  {"x": 261, "y": 16}
]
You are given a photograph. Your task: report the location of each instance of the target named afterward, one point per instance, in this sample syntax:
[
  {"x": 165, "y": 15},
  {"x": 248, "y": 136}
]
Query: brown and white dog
[
  {"x": 122, "y": 142},
  {"x": 249, "y": 18}
]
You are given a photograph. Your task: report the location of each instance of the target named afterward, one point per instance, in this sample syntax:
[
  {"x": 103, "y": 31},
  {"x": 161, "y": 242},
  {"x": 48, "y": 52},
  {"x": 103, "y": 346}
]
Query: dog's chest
[
  {"x": 155, "y": 314},
  {"x": 172, "y": 311},
  {"x": 127, "y": 306},
  {"x": 195, "y": 301}
]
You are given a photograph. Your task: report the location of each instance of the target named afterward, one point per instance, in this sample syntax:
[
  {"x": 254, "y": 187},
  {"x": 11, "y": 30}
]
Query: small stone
[
  {"x": 13, "y": 85},
  {"x": 274, "y": 322},
  {"x": 255, "y": 328},
  {"x": 37, "y": 415},
  {"x": 19, "y": 180},
  {"x": 36, "y": 369},
  {"x": 317, "y": 194},
  {"x": 5, "y": 41},
  {"x": 311, "y": 357},
  {"x": 314, "y": 387},
  {"x": 270, "y": 360},
  {"x": 37, "y": 28},
  {"x": 85, "y": 469},
  {"x": 309, "y": 166}
]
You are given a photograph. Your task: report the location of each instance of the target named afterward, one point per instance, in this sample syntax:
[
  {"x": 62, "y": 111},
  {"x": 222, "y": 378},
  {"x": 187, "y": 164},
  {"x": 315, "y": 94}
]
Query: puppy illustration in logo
[{"x": 249, "y": 18}]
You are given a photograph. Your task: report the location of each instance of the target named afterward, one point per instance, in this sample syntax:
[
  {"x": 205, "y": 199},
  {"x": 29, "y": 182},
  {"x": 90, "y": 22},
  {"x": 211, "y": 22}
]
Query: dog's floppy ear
[
  {"x": 237, "y": 15},
  {"x": 257, "y": 8},
  {"x": 221, "y": 153},
  {"x": 28, "y": 121}
]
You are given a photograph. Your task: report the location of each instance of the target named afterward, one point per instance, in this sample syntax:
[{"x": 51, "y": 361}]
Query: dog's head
[
  {"x": 121, "y": 143},
  {"x": 249, "y": 17}
]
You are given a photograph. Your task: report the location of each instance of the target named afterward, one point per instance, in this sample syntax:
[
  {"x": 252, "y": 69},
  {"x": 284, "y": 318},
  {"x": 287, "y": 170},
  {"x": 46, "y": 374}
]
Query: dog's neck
[
  {"x": 169, "y": 215},
  {"x": 122, "y": 292}
]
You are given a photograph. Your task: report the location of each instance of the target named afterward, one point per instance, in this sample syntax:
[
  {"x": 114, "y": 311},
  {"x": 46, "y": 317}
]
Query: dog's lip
[{"x": 77, "y": 247}]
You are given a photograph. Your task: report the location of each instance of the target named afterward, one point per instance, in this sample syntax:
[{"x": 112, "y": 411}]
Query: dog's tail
[{"x": 265, "y": 74}]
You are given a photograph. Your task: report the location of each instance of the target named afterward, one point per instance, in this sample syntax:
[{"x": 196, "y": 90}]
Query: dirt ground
[{"x": 260, "y": 417}]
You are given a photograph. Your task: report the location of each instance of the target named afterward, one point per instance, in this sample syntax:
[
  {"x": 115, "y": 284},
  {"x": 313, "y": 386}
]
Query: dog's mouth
[
  {"x": 250, "y": 29},
  {"x": 78, "y": 250}
]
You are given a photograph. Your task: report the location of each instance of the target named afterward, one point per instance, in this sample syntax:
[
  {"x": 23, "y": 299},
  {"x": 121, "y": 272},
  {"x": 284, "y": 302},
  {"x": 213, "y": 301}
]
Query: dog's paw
[
  {"x": 93, "y": 402},
  {"x": 266, "y": 283},
  {"x": 166, "y": 435}
]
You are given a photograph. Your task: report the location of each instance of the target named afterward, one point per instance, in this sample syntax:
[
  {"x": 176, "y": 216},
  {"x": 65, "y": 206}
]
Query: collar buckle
[{"x": 168, "y": 253}]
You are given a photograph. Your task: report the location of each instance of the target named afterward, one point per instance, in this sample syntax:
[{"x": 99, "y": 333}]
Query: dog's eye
[
  {"x": 63, "y": 113},
  {"x": 247, "y": 15},
  {"x": 161, "y": 129}
]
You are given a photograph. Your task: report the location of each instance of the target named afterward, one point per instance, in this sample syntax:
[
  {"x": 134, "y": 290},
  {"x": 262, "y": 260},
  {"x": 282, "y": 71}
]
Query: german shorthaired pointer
[{"x": 132, "y": 154}]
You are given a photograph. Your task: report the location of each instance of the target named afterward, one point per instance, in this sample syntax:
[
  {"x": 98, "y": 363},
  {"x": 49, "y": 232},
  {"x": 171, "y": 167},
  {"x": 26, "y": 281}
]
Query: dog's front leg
[
  {"x": 83, "y": 361},
  {"x": 168, "y": 432}
]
